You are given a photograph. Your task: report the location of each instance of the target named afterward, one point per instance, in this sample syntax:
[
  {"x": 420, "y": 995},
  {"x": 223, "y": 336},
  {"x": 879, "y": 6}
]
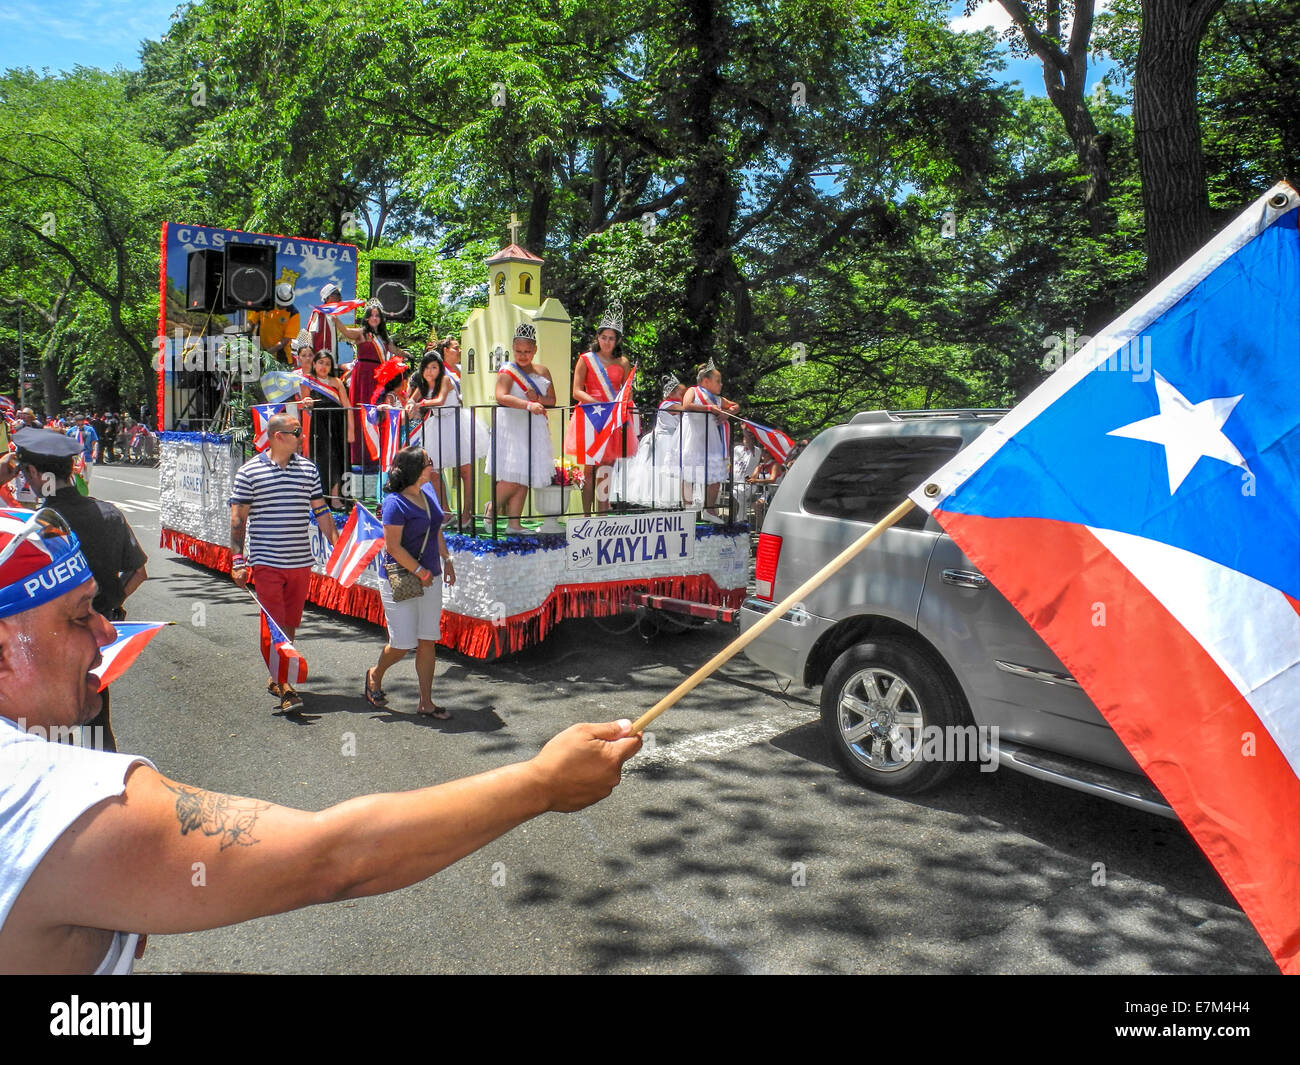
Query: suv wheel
[{"x": 880, "y": 703}]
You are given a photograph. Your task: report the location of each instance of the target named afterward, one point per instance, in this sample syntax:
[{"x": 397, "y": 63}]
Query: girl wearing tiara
[
  {"x": 597, "y": 379},
  {"x": 704, "y": 438},
  {"x": 652, "y": 477},
  {"x": 521, "y": 457}
]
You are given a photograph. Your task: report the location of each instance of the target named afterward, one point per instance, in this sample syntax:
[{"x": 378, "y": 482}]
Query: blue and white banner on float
[{"x": 601, "y": 545}]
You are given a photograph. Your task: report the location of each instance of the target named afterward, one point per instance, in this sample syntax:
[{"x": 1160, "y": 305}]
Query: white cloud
[{"x": 990, "y": 15}]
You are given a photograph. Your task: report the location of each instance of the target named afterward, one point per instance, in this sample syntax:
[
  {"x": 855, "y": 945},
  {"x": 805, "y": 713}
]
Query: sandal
[
  {"x": 374, "y": 696},
  {"x": 273, "y": 689},
  {"x": 438, "y": 713}
]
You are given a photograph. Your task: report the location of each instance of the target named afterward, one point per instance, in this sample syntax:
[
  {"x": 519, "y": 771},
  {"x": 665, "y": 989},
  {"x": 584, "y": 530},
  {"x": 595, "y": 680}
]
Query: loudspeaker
[
  {"x": 203, "y": 286},
  {"x": 250, "y": 277},
  {"x": 392, "y": 283}
]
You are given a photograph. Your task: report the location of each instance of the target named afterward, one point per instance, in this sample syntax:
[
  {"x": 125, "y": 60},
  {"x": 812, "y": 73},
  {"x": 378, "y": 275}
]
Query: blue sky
[{"x": 60, "y": 34}]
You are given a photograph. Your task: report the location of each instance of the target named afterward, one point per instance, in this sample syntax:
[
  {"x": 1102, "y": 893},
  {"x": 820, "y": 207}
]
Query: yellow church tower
[{"x": 514, "y": 296}]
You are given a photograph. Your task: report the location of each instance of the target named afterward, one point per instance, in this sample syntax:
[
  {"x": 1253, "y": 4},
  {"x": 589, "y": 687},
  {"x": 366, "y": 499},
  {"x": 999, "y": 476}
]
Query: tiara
[
  {"x": 524, "y": 331},
  {"x": 373, "y": 304},
  {"x": 671, "y": 382},
  {"x": 613, "y": 318}
]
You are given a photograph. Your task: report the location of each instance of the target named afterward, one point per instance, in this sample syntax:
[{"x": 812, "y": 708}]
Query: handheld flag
[
  {"x": 357, "y": 545},
  {"x": 370, "y": 429},
  {"x": 282, "y": 659},
  {"x": 118, "y": 655},
  {"x": 1141, "y": 509},
  {"x": 261, "y": 416},
  {"x": 775, "y": 443},
  {"x": 390, "y": 436},
  {"x": 340, "y": 307},
  {"x": 593, "y": 422},
  {"x": 280, "y": 385}
]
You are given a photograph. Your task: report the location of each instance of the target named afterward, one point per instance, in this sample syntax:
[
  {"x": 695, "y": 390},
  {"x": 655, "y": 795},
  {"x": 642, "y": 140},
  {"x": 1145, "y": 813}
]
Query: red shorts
[{"x": 283, "y": 592}]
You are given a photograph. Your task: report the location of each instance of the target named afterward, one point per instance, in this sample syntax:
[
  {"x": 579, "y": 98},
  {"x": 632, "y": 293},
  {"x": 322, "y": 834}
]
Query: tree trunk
[
  {"x": 51, "y": 385},
  {"x": 709, "y": 200},
  {"x": 1174, "y": 199}
]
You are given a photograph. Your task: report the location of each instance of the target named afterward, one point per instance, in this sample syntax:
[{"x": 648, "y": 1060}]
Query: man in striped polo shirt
[{"x": 274, "y": 494}]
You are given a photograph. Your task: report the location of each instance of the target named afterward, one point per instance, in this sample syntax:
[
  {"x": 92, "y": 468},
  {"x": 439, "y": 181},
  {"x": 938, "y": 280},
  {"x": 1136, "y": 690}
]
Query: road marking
[
  {"x": 142, "y": 505},
  {"x": 117, "y": 480},
  {"x": 709, "y": 745}
]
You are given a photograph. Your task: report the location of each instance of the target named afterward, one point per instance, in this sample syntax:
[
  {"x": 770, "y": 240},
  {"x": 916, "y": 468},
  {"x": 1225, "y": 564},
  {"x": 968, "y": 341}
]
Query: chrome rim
[{"x": 880, "y": 720}]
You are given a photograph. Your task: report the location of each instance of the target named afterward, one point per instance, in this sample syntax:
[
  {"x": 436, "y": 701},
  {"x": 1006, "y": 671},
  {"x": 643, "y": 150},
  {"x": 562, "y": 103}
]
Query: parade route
[{"x": 731, "y": 846}]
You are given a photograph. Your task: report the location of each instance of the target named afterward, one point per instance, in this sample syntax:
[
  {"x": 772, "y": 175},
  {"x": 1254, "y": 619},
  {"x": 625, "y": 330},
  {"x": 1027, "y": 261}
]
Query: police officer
[{"x": 116, "y": 560}]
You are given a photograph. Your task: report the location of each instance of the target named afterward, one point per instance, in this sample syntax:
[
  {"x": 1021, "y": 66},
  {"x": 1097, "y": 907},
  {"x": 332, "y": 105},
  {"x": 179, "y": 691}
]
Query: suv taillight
[{"x": 765, "y": 561}]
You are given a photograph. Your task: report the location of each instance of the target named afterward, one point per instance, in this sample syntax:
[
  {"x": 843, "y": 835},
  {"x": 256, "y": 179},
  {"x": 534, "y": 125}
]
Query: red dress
[
  {"x": 619, "y": 438},
  {"x": 361, "y": 386}
]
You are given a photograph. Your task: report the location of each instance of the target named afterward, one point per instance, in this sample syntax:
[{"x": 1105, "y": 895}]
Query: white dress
[
  {"x": 652, "y": 477},
  {"x": 509, "y": 456},
  {"x": 448, "y": 437},
  {"x": 704, "y": 444}
]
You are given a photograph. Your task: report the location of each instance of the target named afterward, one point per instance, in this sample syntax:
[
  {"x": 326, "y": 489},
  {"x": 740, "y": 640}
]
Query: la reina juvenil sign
[{"x": 622, "y": 540}]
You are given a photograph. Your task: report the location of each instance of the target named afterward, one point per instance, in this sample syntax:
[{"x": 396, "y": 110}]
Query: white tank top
[{"x": 44, "y": 787}]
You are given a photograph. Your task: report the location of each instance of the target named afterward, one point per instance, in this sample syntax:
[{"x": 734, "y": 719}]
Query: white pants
[{"x": 413, "y": 619}]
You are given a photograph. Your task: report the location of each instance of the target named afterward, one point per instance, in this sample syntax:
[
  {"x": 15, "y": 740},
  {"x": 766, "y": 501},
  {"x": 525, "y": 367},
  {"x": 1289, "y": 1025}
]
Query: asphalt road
[{"x": 733, "y": 846}]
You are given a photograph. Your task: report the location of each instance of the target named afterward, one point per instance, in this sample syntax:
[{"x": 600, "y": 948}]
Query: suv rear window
[{"x": 863, "y": 480}]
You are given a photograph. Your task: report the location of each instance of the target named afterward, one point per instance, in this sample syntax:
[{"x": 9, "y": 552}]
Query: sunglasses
[
  {"x": 290, "y": 432},
  {"x": 45, "y": 523}
]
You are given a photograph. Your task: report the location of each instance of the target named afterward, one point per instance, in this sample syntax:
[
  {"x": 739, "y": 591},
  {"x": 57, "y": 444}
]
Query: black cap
[{"x": 46, "y": 443}]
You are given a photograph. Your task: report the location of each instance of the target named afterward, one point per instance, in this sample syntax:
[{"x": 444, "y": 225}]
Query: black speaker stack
[
  {"x": 240, "y": 277},
  {"x": 392, "y": 283}
]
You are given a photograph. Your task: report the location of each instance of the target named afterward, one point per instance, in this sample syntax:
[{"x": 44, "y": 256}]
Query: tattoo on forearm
[{"x": 216, "y": 815}]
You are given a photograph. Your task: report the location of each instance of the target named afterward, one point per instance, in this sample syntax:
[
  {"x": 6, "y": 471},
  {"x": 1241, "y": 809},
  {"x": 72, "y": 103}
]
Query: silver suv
[{"x": 923, "y": 664}]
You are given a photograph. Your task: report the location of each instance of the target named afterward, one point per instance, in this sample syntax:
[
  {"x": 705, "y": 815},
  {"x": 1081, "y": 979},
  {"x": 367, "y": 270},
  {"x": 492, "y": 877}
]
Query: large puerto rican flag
[
  {"x": 358, "y": 543},
  {"x": 1141, "y": 509}
]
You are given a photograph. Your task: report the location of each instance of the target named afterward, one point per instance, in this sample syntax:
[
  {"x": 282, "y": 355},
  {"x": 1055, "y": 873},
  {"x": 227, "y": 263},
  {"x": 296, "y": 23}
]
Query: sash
[
  {"x": 454, "y": 376},
  {"x": 594, "y": 363},
  {"x": 710, "y": 400},
  {"x": 519, "y": 377}
]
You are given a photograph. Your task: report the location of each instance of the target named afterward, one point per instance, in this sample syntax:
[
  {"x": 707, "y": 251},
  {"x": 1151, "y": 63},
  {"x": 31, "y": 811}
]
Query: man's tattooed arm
[{"x": 213, "y": 814}]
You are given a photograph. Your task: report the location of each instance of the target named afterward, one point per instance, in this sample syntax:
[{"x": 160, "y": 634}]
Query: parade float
[{"x": 510, "y": 592}]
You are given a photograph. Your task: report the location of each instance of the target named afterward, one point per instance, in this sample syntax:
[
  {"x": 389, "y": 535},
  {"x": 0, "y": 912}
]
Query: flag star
[{"x": 1187, "y": 431}]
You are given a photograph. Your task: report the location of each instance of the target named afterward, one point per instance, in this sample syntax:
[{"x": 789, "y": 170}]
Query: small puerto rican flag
[
  {"x": 283, "y": 661},
  {"x": 118, "y": 655},
  {"x": 358, "y": 544},
  {"x": 390, "y": 436},
  {"x": 341, "y": 307},
  {"x": 775, "y": 443},
  {"x": 262, "y": 414}
]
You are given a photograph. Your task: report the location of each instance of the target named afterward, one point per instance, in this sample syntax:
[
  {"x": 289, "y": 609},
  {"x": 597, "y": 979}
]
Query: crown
[
  {"x": 373, "y": 304},
  {"x": 613, "y": 318},
  {"x": 671, "y": 382},
  {"x": 524, "y": 331},
  {"x": 303, "y": 339}
]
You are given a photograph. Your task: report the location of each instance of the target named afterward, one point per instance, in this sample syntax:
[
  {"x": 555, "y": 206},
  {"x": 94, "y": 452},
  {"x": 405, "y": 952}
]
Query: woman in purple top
[{"x": 413, "y": 537}]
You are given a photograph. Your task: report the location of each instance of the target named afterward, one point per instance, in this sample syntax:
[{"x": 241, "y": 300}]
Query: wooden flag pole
[{"x": 741, "y": 642}]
